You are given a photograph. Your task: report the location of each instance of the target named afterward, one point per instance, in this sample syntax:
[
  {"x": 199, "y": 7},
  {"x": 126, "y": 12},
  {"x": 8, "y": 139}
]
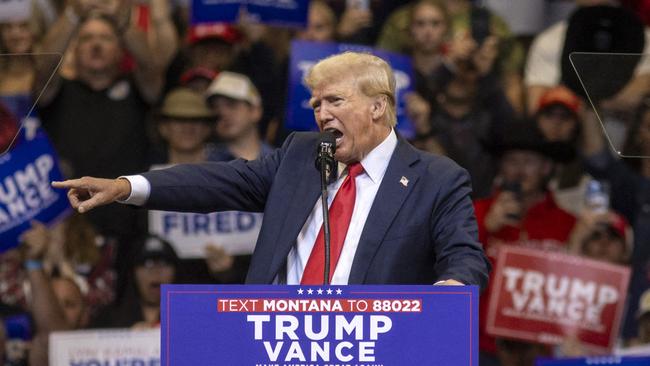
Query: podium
[{"x": 319, "y": 325}]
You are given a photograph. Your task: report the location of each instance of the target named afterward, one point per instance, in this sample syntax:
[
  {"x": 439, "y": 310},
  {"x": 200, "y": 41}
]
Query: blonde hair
[
  {"x": 36, "y": 25},
  {"x": 372, "y": 75}
]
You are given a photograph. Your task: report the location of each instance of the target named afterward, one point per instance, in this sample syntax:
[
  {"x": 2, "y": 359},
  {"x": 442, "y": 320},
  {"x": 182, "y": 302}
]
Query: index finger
[{"x": 67, "y": 184}]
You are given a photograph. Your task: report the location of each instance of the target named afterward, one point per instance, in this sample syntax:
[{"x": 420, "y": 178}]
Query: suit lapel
[
  {"x": 396, "y": 185},
  {"x": 300, "y": 205}
]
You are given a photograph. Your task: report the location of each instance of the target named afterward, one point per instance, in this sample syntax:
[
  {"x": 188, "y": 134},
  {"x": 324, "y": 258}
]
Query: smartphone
[
  {"x": 480, "y": 23},
  {"x": 597, "y": 196},
  {"x": 515, "y": 188}
]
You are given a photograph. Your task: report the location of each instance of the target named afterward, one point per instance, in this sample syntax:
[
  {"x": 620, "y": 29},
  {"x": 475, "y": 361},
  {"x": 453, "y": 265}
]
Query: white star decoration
[{"x": 320, "y": 291}]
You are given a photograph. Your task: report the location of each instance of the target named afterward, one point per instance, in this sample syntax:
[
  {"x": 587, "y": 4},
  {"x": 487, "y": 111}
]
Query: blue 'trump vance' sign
[
  {"x": 291, "y": 13},
  {"x": 25, "y": 191},
  {"x": 319, "y": 325}
]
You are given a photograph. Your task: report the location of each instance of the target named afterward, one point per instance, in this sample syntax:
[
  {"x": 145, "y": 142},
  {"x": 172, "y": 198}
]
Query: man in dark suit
[{"x": 398, "y": 215}]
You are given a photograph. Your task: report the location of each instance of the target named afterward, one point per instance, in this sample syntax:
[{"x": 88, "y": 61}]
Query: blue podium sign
[
  {"x": 319, "y": 325},
  {"x": 605, "y": 360}
]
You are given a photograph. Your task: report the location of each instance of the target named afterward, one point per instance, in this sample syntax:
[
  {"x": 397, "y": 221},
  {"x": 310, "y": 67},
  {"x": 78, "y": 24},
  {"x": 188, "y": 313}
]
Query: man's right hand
[
  {"x": 87, "y": 193},
  {"x": 503, "y": 212}
]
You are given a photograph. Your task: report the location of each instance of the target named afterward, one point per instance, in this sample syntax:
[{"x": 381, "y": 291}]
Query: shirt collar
[{"x": 376, "y": 162}]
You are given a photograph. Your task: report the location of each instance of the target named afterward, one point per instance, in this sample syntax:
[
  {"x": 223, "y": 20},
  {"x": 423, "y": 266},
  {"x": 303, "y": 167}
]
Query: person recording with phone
[
  {"x": 360, "y": 21},
  {"x": 472, "y": 32},
  {"x": 521, "y": 211},
  {"x": 399, "y": 215},
  {"x": 458, "y": 100}
]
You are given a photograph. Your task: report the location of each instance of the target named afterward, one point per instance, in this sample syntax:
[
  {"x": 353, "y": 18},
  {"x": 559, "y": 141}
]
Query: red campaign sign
[{"x": 544, "y": 297}]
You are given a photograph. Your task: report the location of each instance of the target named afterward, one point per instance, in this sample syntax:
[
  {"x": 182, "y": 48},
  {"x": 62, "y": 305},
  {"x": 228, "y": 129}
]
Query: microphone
[
  {"x": 325, "y": 163},
  {"x": 325, "y": 152}
]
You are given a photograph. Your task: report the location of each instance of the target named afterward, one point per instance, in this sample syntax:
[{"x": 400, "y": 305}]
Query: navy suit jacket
[{"x": 416, "y": 233}]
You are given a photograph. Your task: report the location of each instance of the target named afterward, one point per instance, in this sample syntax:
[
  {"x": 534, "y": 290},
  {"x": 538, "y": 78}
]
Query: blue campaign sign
[
  {"x": 25, "y": 191},
  {"x": 319, "y": 325},
  {"x": 589, "y": 361},
  {"x": 291, "y": 13},
  {"x": 304, "y": 55},
  {"x": 208, "y": 11}
]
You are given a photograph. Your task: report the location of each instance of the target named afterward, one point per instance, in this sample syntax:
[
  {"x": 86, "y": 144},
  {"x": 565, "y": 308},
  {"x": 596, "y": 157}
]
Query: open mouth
[{"x": 338, "y": 135}]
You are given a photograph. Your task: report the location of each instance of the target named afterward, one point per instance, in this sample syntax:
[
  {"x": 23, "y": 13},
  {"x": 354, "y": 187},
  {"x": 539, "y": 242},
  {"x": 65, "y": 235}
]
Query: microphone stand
[{"x": 326, "y": 165}]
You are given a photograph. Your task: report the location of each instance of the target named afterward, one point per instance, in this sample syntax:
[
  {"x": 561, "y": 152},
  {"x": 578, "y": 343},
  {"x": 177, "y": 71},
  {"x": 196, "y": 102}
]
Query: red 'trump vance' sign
[{"x": 545, "y": 297}]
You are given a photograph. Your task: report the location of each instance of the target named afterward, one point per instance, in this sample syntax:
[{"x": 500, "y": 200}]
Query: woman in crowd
[
  {"x": 18, "y": 38},
  {"x": 459, "y": 102},
  {"x": 468, "y": 23}
]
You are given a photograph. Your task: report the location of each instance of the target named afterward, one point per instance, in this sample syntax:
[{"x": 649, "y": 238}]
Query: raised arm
[
  {"x": 55, "y": 42},
  {"x": 148, "y": 73},
  {"x": 164, "y": 37},
  {"x": 237, "y": 185},
  {"x": 87, "y": 193},
  {"x": 48, "y": 315}
]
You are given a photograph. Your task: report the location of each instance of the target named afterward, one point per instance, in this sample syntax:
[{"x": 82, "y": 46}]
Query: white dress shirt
[{"x": 367, "y": 185}]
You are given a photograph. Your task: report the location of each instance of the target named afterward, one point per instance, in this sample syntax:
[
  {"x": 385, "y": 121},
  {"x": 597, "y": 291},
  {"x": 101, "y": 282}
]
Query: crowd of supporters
[{"x": 139, "y": 86}]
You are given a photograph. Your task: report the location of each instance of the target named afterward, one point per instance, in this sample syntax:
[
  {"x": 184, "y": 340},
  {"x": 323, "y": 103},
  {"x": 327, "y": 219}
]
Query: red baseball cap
[
  {"x": 619, "y": 225},
  {"x": 198, "y": 73},
  {"x": 222, "y": 31},
  {"x": 560, "y": 95}
]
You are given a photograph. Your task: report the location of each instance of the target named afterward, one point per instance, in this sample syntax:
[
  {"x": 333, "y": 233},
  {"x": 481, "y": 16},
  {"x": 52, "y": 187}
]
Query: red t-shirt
[{"x": 544, "y": 226}]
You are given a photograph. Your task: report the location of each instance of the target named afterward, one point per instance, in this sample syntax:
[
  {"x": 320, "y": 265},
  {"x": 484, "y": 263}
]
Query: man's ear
[
  {"x": 379, "y": 106},
  {"x": 257, "y": 113}
]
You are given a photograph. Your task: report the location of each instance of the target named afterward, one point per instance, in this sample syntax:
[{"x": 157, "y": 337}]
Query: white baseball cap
[{"x": 236, "y": 86}]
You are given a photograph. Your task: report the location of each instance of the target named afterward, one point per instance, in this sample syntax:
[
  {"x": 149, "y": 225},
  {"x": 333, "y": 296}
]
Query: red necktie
[{"x": 340, "y": 215}]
